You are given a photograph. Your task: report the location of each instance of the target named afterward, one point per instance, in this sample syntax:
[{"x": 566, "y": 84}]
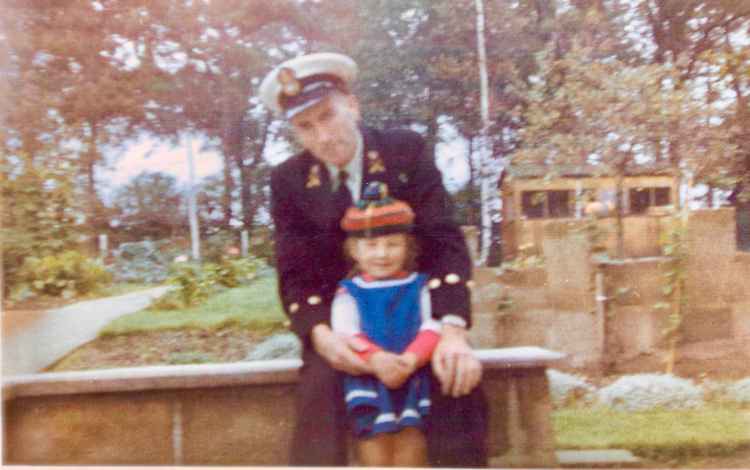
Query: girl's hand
[
  {"x": 339, "y": 351},
  {"x": 390, "y": 369},
  {"x": 410, "y": 361}
]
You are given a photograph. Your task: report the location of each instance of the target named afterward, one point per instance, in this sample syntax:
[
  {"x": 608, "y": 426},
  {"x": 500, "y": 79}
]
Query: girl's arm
[
  {"x": 345, "y": 321},
  {"x": 429, "y": 334}
]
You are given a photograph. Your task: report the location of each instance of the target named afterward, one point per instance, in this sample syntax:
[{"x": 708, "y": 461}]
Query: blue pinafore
[{"x": 390, "y": 317}]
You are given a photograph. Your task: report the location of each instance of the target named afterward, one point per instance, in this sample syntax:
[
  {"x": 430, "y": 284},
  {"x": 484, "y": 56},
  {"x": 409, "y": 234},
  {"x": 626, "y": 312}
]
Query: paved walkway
[{"x": 45, "y": 337}]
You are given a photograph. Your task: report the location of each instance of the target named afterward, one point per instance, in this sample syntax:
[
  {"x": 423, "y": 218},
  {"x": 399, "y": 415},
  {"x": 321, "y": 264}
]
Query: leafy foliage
[
  {"x": 66, "y": 275},
  {"x": 195, "y": 282},
  {"x": 149, "y": 206},
  {"x": 146, "y": 261},
  {"x": 40, "y": 215}
]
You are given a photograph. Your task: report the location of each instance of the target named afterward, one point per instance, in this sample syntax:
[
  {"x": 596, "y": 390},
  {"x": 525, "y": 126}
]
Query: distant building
[{"x": 532, "y": 195}]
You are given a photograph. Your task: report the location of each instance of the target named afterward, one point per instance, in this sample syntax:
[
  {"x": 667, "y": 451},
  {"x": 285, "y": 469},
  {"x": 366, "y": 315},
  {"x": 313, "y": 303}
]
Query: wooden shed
[{"x": 533, "y": 195}]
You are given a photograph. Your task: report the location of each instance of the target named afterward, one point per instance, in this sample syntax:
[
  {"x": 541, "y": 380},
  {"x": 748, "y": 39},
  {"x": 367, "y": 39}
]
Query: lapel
[
  {"x": 316, "y": 195},
  {"x": 373, "y": 163}
]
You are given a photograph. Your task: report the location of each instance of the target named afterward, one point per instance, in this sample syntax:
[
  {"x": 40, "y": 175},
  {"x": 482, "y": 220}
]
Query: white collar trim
[{"x": 360, "y": 282}]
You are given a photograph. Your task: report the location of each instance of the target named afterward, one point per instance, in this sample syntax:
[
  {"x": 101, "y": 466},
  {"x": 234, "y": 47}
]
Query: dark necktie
[{"x": 343, "y": 196}]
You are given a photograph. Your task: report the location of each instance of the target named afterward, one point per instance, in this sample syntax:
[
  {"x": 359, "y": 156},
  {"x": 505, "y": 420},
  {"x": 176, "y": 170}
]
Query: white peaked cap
[{"x": 321, "y": 64}]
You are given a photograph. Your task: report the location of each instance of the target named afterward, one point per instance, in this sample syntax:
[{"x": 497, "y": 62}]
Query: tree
[
  {"x": 705, "y": 41},
  {"x": 150, "y": 206},
  {"x": 616, "y": 117},
  {"x": 61, "y": 63},
  {"x": 40, "y": 215},
  {"x": 211, "y": 56}
]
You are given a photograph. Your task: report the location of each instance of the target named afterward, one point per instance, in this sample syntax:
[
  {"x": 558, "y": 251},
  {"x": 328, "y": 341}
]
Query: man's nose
[{"x": 322, "y": 134}]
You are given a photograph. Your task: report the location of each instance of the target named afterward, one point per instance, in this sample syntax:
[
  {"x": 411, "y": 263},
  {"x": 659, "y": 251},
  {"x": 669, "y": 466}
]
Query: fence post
[
  {"x": 244, "y": 243},
  {"x": 103, "y": 246}
]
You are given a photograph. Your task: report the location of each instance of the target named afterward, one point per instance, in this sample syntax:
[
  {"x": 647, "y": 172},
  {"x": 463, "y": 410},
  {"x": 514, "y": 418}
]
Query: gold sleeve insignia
[
  {"x": 376, "y": 164},
  {"x": 313, "y": 178}
]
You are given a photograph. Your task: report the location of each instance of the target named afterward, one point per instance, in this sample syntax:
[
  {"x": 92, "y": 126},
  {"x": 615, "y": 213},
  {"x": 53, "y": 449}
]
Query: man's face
[{"x": 329, "y": 129}]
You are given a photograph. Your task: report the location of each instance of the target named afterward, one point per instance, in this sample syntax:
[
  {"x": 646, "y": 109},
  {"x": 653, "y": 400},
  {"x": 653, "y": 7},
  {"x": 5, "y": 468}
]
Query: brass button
[
  {"x": 314, "y": 300},
  {"x": 434, "y": 283},
  {"x": 452, "y": 278}
]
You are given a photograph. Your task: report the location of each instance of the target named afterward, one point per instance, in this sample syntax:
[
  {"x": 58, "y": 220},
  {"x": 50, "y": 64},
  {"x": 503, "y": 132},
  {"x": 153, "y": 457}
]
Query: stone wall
[
  {"x": 556, "y": 306},
  {"x": 230, "y": 414}
]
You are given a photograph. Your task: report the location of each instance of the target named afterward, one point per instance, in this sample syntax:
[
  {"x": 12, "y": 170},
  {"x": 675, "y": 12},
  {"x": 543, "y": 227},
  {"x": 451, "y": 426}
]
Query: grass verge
[
  {"x": 255, "y": 306},
  {"x": 661, "y": 434}
]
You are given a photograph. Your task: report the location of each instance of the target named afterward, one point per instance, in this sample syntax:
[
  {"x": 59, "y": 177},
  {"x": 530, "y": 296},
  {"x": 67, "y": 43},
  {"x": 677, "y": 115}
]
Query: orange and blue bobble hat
[{"x": 376, "y": 214}]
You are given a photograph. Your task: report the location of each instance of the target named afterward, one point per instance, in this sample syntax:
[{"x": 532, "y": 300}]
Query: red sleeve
[
  {"x": 423, "y": 345},
  {"x": 371, "y": 349}
]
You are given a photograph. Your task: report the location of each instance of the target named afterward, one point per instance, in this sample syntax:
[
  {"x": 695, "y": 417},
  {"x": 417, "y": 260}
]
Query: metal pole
[{"x": 192, "y": 204}]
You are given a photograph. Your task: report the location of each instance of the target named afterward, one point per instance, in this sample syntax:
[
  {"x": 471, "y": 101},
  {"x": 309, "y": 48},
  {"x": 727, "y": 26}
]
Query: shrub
[
  {"x": 739, "y": 392},
  {"x": 196, "y": 282},
  {"x": 651, "y": 391},
  {"x": 194, "y": 285},
  {"x": 66, "y": 275},
  {"x": 567, "y": 389},
  {"x": 147, "y": 261},
  {"x": 234, "y": 272},
  {"x": 220, "y": 244}
]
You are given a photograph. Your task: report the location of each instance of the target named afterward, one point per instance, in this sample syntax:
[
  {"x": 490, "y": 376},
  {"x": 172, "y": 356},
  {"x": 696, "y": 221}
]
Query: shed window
[
  {"x": 532, "y": 204},
  {"x": 559, "y": 203},
  {"x": 643, "y": 198},
  {"x": 547, "y": 204},
  {"x": 661, "y": 197}
]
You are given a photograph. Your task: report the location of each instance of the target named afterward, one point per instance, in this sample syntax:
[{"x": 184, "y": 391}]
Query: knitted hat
[{"x": 377, "y": 214}]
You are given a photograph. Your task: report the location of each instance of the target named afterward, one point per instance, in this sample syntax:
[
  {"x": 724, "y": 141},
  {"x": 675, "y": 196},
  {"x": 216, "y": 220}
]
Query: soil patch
[{"x": 185, "y": 346}]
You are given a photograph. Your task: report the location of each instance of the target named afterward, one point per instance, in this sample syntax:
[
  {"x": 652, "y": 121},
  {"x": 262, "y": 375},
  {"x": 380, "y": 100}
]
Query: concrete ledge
[
  {"x": 230, "y": 414},
  {"x": 517, "y": 357},
  {"x": 604, "y": 458},
  {"x": 276, "y": 371}
]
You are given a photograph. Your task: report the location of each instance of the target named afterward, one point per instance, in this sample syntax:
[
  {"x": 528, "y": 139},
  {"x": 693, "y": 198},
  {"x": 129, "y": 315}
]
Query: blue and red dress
[{"x": 393, "y": 315}]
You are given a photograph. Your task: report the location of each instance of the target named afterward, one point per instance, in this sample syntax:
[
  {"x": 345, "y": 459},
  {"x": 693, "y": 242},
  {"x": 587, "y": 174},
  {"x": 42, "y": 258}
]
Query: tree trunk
[
  {"x": 93, "y": 214},
  {"x": 485, "y": 188}
]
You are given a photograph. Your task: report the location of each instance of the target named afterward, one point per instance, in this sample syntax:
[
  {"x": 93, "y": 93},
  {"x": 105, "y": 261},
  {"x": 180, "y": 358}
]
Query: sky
[{"x": 149, "y": 154}]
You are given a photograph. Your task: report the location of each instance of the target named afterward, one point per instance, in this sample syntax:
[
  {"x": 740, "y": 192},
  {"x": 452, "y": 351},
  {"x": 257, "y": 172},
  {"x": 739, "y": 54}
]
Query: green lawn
[
  {"x": 711, "y": 430},
  {"x": 254, "y": 306}
]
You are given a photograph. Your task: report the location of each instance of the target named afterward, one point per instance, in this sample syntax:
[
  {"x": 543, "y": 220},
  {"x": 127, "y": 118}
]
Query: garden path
[{"x": 33, "y": 340}]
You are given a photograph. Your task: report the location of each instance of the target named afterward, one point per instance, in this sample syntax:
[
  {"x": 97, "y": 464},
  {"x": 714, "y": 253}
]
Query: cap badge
[
  {"x": 290, "y": 86},
  {"x": 376, "y": 164},
  {"x": 313, "y": 178}
]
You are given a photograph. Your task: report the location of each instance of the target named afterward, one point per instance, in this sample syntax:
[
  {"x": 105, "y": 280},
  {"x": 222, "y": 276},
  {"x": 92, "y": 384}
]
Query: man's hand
[
  {"x": 454, "y": 363},
  {"x": 390, "y": 368},
  {"x": 339, "y": 351}
]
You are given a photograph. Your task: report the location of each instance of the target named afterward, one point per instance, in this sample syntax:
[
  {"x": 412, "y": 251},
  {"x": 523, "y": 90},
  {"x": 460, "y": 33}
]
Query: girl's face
[{"x": 381, "y": 257}]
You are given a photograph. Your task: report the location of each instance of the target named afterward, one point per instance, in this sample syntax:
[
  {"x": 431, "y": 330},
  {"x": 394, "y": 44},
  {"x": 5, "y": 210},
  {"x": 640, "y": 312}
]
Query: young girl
[{"x": 387, "y": 306}]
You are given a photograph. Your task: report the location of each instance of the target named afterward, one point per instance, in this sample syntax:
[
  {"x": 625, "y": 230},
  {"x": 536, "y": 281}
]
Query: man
[{"x": 309, "y": 194}]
